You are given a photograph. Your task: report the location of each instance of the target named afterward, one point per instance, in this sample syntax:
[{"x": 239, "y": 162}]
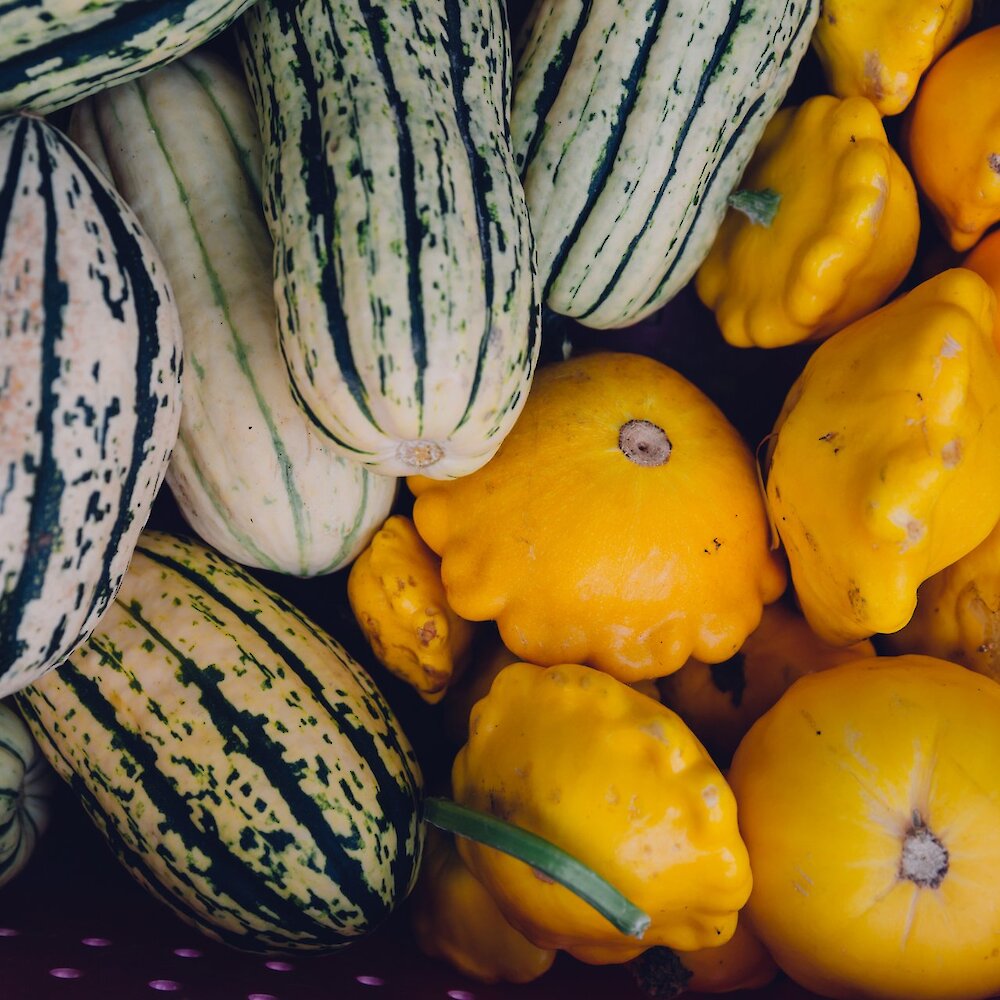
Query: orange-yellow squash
[
  {"x": 395, "y": 591},
  {"x": 958, "y": 612},
  {"x": 869, "y": 798},
  {"x": 885, "y": 465},
  {"x": 879, "y": 49},
  {"x": 619, "y": 525},
  {"x": 617, "y": 780},
  {"x": 721, "y": 701},
  {"x": 454, "y": 918},
  {"x": 984, "y": 259},
  {"x": 842, "y": 237},
  {"x": 952, "y": 138}
]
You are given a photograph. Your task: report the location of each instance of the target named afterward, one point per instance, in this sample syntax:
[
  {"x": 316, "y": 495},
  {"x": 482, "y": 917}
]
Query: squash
[
  {"x": 55, "y": 52},
  {"x": 27, "y": 785},
  {"x": 631, "y": 123},
  {"x": 620, "y": 524},
  {"x": 86, "y": 422},
  {"x": 869, "y": 798},
  {"x": 242, "y": 766},
  {"x": 408, "y": 307},
  {"x": 250, "y": 472}
]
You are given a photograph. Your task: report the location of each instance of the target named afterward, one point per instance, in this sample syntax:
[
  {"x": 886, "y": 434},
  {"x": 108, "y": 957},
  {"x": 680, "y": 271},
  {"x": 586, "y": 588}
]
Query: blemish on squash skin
[
  {"x": 994, "y": 161},
  {"x": 873, "y": 76},
  {"x": 951, "y": 453}
]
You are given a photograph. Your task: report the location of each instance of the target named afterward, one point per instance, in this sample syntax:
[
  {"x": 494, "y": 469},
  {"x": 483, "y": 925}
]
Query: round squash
[
  {"x": 620, "y": 525},
  {"x": 869, "y": 799}
]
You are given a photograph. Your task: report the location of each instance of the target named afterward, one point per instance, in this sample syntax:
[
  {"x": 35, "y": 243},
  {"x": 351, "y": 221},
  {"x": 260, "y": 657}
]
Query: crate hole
[
  {"x": 461, "y": 995},
  {"x": 8, "y": 932},
  {"x": 187, "y": 953},
  {"x": 261, "y": 996},
  {"x": 370, "y": 980},
  {"x": 275, "y": 965},
  {"x": 64, "y": 973},
  {"x": 96, "y": 942},
  {"x": 165, "y": 985}
]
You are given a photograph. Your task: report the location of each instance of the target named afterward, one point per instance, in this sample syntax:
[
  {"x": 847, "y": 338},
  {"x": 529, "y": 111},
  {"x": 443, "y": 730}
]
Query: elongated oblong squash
[
  {"x": 90, "y": 363},
  {"x": 55, "y": 52},
  {"x": 632, "y": 122},
  {"x": 404, "y": 262},
  {"x": 250, "y": 472},
  {"x": 240, "y": 764}
]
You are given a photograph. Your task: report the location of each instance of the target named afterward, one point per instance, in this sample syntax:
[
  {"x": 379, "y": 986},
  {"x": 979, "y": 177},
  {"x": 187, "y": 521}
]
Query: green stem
[
  {"x": 760, "y": 207},
  {"x": 543, "y": 856}
]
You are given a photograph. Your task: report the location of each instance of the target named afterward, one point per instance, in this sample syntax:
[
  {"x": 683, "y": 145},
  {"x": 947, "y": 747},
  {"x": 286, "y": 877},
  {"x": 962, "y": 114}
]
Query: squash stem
[
  {"x": 542, "y": 855},
  {"x": 760, "y": 207}
]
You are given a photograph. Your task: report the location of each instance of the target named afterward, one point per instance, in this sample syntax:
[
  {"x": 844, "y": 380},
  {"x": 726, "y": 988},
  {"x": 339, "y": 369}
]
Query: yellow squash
[
  {"x": 952, "y": 138},
  {"x": 879, "y": 49},
  {"x": 869, "y": 798},
  {"x": 395, "y": 591},
  {"x": 958, "y": 612},
  {"x": 617, "y": 780},
  {"x": 843, "y": 234},
  {"x": 984, "y": 259},
  {"x": 454, "y": 918},
  {"x": 619, "y": 525},
  {"x": 721, "y": 701},
  {"x": 885, "y": 465}
]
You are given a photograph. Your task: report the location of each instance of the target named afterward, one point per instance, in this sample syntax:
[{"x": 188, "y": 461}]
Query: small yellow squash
[
  {"x": 952, "y": 138},
  {"x": 617, "y": 780},
  {"x": 721, "y": 701},
  {"x": 454, "y": 918},
  {"x": 885, "y": 465},
  {"x": 869, "y": 798},
  {"x": 879, "y": 49},
  {"x": 395, "y": 591},
  {"x": 842, "y": 236},
  {"x": 620, "y": 524}
]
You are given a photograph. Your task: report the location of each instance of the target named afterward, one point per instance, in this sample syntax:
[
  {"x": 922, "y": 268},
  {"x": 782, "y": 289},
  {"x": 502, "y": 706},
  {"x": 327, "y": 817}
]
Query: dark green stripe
[
  {"x": 45, "y": 537},
  {"x": 379, "y": 26},
  {"x": 604, "y": 165},
  {"x": 395, "y": 792}
]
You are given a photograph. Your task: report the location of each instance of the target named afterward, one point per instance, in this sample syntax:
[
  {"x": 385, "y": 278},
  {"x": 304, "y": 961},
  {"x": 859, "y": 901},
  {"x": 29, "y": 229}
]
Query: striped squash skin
[
  {"x": 27, "y": 786},
  {"x": 240, "y": 764},
  {"x": 251, "y": 473},
  {"x": 55, "y": 52},
  {"x": 632, "y": 122},
  {"x": 90, "y": 363},
  {"x": 406, "y": 288}
]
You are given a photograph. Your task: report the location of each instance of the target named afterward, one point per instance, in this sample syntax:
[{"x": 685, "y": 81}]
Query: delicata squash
[
  {"x": 885, "y": 461},
  {"x": 620, "y": 524}
]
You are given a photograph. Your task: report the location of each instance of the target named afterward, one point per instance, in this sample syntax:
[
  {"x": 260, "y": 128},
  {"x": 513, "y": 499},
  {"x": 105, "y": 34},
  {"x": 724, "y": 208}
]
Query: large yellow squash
[
  {"x": 886, "y": 457},
  {"x": 869, "y": 799},
  {"x": 620, "y": 524}
]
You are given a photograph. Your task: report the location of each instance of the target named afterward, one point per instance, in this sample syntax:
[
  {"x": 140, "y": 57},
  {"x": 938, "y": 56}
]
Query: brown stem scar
[{"x": 644, "y": 443}]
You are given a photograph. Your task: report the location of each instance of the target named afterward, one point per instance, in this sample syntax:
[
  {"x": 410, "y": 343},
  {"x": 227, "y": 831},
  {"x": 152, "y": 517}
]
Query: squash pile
[{"x": 716, "y": 707}]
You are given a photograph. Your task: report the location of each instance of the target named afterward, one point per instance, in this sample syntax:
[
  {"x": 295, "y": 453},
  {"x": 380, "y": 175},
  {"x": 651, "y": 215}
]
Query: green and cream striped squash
[
  {"x": 55, "y": 52},
  {"x": 90, "y": 363},
  {"x": 632, "y": 122},
  {"x": 27, "y": 786},
  {"x": 406, "y": 289},
  {"x": 242, "y": 766},
  {"x": 250, "y": 472}
]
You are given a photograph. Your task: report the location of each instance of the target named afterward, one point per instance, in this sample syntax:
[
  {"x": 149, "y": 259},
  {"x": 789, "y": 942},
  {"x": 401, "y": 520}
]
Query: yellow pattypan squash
[
  {"x": 454, "y": 918},
  {"x": 842, "y": 236},
  {"x": 617, "y": 780},
  {"x": 869, "y": 798},
  {"x": 395, "y": 591},
  {"x": 720, "y": 701},
  {"x": 742, "y": 963},
  {"x": 620, "y": 524},
  {"x": 879, "y": 49},
  {"x": 885, "y": 461},
  {"x": 958, "y": 612},
  {"x": 952, "y": 138},
  {"x": 984, "y": 259}
]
